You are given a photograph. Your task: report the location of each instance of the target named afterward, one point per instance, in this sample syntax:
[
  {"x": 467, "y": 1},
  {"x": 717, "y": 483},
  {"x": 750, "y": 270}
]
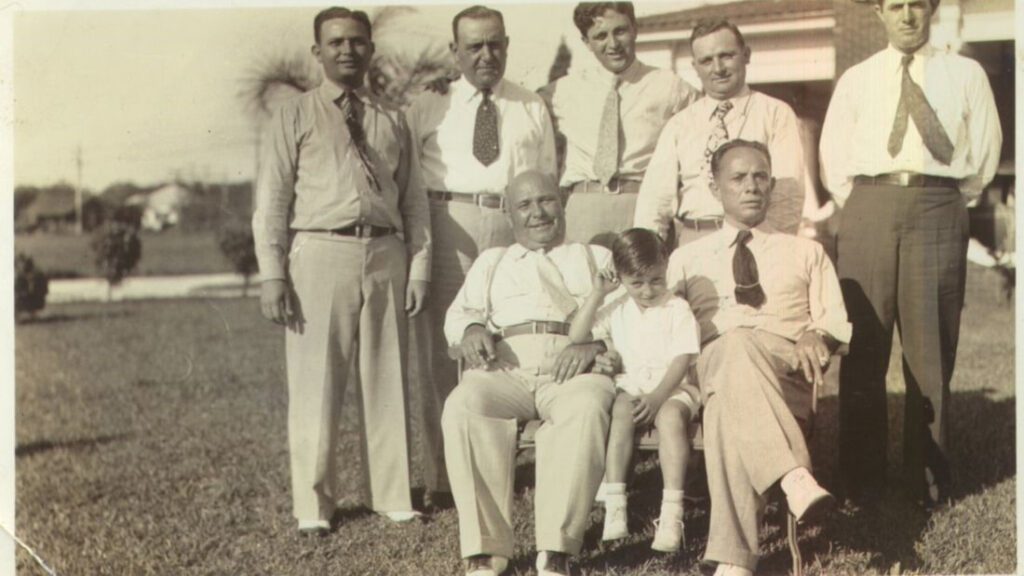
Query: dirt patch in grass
[{"x": 152, "y": 440}]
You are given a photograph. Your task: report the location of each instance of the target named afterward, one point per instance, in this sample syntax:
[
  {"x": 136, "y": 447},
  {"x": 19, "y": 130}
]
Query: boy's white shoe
[
  {"x": 602, "y": 493},
  {"x": 732, "y": 570},
  {"x": 616, "y": 515},
  {"x": 670, "y": 532}
]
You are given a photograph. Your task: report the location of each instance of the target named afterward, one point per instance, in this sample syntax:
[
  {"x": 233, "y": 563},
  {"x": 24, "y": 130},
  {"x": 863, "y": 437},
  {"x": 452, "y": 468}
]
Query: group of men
[{"x": 457, "y": 207}]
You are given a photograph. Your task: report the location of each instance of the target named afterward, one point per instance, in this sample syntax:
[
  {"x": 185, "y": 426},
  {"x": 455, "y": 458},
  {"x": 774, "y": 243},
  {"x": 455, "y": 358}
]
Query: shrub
[
  {"x": 118, "y": 249},
  {"x": 31, "y": 285},
  {"x": 236, "y": 243}
]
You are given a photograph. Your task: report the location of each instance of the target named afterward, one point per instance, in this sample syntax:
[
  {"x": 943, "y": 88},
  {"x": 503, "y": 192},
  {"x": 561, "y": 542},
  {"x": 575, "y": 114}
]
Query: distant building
[
  {"x": 161, "y": 208},
  {"x": 53, "y": 210}
]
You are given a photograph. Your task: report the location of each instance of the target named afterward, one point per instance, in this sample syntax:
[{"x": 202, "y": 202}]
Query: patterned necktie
[
  {"x": 606, "y": 159},
  {"x": 744, "y": 272},
  {"x": 352, "y": 108},
  {"x": 719, "y": 134},
  {"x": 485, "y": 131},
  {"x": 553, "y": 284},
  {"x": 914, "y": 104}
]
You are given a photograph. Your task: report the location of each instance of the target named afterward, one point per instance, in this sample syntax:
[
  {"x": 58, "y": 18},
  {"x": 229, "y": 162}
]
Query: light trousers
[
  {"x": 597, "y": 217},
  {"x": 754, "y": 394},
  {"x": 480, "y": 425},
  {"x": 349, "y": 294},
  {"x": 460, "y": 231}
]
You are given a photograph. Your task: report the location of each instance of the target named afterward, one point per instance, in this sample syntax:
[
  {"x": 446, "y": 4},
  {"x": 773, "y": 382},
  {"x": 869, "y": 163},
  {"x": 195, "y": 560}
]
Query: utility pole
[{"x": 78, "y": 192}]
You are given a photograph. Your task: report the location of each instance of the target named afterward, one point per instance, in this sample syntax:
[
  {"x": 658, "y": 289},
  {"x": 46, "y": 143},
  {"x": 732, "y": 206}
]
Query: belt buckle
[
  {"x": 614, "y": 186},
  {"x": 485, "y": 200},
  {"x": 905, "y": 179}
]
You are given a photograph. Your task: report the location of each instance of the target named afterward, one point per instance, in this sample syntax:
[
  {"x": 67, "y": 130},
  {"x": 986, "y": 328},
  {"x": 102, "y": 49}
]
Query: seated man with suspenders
[{"x": 510, "y": 321}]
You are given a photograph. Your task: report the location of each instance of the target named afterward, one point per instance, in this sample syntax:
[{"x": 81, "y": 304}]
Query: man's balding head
[{"x": 535, "y": 210}]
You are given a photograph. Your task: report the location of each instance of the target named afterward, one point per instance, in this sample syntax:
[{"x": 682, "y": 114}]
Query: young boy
[{"x": 658, "y": 339}]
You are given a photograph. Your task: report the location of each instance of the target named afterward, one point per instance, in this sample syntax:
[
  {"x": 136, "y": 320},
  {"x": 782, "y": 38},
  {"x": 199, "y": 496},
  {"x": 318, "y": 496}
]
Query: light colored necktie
[
  {"x": 606, "y": 159},
  {"x": 719, "y": 134},
  {"x": 914, "y": 104},
  {"x": 352, "y": 108},
  {"x": 553, "y": 284},
  {"x": 485, "y": 130}
]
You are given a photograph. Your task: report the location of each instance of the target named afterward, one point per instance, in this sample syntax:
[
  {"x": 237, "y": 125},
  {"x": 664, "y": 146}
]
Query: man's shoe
[
  {"x": 806, "y": 499},
  {"x": 732, "y": 570},
  {"x": 317, "y": 528},
  {"x": 484, "y": 565},
  {"x": 552, "y": 564},
  {"x": 669, "y": 530},
  {"x": 436, "y": 500},
  {"x": 615, "y": 519},
  {"x": 402, "y": 516}
]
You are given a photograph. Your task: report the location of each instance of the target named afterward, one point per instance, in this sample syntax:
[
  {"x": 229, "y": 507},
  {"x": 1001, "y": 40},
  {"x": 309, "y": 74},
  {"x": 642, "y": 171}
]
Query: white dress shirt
[
  {"x": 516, "y": 296},
  {"x": 676, "y": 183},
  {"x": 443, "y": 128},
  {"x": 855, "y": 135},
  {"x": 648, "y": 97},
  {"x": 648, "y": 340},
  {"x": 800, "y": 285}
]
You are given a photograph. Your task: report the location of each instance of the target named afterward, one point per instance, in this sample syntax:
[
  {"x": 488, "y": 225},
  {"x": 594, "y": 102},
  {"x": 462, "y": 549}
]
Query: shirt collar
[
  {"x": 739, "y": 101},
  {"x": 757, "y": 233},
  {"x": 894, "y": 56},
  {"x": 464, "y": 91},
  {"x": 331, "y": 91},
  {"x": 518, "y": 251}
]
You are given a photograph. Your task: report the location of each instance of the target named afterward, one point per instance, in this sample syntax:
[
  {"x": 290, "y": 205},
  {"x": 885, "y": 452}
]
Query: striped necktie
[
  {"x": 352, "y": 108},
  {"x": 719, "y": 135}
]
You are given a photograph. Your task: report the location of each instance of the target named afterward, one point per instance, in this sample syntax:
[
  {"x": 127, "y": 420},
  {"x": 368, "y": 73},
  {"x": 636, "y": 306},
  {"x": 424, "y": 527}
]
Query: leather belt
[
  {"x": 484, "y": 200},
  {"x": 362, "y": 231},
  {"x": 616, "y": 186},
  {"x": 699, "y": 224},
  {"x": 535, "y": 327},
  {"x": 908, "y": 180}
]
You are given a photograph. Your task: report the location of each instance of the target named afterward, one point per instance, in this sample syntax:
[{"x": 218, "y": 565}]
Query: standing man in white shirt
[
  {"x": 675, "y": 198},
  {"x": 472, "y": 141},
  {"x": 611, "y": 118},
  {"x": 911, "y": 134}
]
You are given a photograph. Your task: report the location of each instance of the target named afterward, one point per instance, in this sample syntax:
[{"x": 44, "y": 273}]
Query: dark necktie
[
  {"x": 485, "y": 131},
  {"x": 352, "y": 108},
  {"x": 744, "y": 272},
  {"x": 914, "y": 104},
  {"x": 606, "y": 158}
]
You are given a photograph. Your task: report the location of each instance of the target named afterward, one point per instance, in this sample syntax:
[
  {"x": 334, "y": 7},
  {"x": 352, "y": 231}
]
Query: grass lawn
[
  {"x": 151, "y": 440},
  {"x": 168, "y": 253}
]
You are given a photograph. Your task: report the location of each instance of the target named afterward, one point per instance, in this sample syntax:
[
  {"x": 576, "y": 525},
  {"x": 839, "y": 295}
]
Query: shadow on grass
[
  {"x": 40, "y": 446},
  {"x": 982, "y": 453},
  {"x": 60, "y": 317}
]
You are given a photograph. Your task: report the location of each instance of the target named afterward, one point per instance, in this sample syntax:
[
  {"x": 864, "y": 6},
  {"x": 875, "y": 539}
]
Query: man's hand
[
  {"x": 477, "y": 346},
  {"x": 276, "y": 301},
  {"x": 575, "y": 359},
  {"x": 416, "y": 296},
  {"x": 813, "y": 356},
  {"x": 646, "y": 408},
  {"x": 608, "y": 363}
]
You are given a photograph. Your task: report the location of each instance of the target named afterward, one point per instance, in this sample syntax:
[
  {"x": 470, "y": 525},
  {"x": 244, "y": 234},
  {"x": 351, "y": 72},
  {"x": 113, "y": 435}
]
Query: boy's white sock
[
  {"x": 616, "y": 514},
  {"x": 672, "y": 497}
]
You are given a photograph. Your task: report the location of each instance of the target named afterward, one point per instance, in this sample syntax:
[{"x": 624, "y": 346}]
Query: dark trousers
[{"x": 902, "y": 259}]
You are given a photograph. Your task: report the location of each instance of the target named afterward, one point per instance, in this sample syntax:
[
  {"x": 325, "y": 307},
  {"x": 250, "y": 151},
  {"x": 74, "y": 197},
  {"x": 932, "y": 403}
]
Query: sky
[{"x": 150, "y": 95}]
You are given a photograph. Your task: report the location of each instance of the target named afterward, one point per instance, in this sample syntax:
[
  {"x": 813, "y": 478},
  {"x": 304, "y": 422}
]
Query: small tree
[
  {"x": 236, "y": 243},
  {"x": 118, "y": 249},
  {"x": 31, "y": 285}
]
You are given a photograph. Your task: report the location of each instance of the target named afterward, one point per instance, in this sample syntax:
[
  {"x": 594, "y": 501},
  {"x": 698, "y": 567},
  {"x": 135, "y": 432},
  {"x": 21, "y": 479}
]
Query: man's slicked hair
[
  {"x": 637, "y": 251},
  {"x": 587, "y": 12},
  {"x": 934, "y": 3},
  {"x": 721, "y": 151},
  {"x": 475, "y": 13},
  {"x": 709, "y": 26},
  {"x": 339, "y": 12}
]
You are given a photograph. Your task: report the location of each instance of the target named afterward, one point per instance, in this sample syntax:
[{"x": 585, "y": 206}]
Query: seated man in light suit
[
  {"x": 771, "y": 314},
  {"x": 510, "y": 321}
]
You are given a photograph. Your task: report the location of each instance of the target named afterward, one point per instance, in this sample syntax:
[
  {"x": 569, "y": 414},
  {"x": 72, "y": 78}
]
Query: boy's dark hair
[
  {"x": 637, "y": 251},
  {"x": 475, "y": 13},
  {"x": 338, "y": 12},
  {"x": 709, "y": 26},
  {"x": 586, "y": 12},
  {"x": 716, "y": 158}
]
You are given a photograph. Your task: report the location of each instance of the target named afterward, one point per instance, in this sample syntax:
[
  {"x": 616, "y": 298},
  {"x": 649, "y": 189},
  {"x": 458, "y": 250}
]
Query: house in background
[
  {"x": 53, "y": 210},
  {"x": 161, "y": 208},
  {"x": 801, "y": 47}
]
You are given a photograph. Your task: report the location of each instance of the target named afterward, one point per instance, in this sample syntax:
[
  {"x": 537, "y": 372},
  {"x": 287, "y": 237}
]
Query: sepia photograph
[{"x": 694, "y": 287}]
